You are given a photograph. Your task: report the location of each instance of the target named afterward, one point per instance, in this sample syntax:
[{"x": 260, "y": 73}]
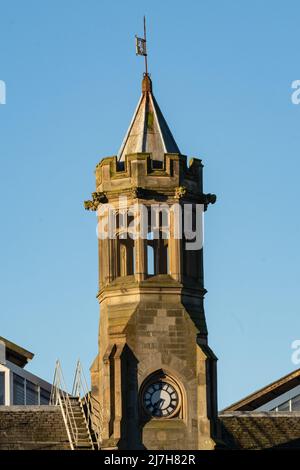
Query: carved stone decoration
[
  {"x": 210, "y": 198},
  {"x": 89, "y": 206},
  {"x": 180, "y": 192},
  {"x": 97, "y": 198}
]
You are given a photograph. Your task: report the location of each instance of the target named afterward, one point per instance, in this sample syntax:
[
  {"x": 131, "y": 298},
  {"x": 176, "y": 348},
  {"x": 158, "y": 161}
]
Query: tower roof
[{"x": 148, "y": 131}]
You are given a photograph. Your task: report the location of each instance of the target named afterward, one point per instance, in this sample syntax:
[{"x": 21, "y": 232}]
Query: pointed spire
[
  {"x": 146, "y": 84},
  {"x": 148, "y": 131}
]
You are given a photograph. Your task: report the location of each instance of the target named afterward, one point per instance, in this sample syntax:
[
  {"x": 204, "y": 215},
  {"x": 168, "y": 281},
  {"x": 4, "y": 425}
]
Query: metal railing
[
  {"x": 60, "y": 397},
  {"x": 90, "y": 405}
]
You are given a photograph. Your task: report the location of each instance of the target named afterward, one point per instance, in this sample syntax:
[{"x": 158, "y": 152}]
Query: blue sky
[{"x": 222, "y": 74}]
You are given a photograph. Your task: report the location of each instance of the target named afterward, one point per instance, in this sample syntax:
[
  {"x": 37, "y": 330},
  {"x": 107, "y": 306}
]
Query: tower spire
[{"x": 148, "y": 131}]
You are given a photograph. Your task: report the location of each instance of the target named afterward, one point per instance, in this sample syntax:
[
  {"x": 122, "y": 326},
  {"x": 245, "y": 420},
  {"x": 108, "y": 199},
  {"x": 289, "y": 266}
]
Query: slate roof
[
  {"x": 261, "y": 430},
  {"x": 148, "y": 131}
]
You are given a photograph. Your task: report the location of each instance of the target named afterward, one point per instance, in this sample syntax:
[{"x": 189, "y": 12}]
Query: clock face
[{"x": 160, "y": 399}]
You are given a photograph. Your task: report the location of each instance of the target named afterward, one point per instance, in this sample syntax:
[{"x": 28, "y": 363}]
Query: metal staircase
[
  {"x": 83, "y": 435},
  {"x": 81, "y": 416}
]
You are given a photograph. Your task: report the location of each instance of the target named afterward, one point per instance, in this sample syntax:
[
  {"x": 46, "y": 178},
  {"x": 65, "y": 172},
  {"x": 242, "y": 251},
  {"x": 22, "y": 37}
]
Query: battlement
[{"x": 140, "y": 170}]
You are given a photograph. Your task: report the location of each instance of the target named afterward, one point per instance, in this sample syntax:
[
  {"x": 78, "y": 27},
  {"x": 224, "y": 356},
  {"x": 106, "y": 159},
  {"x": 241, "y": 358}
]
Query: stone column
[
  {"x": 175, "y": 246},
  {"x": 140, "y": 259}
]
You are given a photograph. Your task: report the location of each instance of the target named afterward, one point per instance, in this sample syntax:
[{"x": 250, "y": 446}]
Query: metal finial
[
  {"x": 141, "y": 47},
  {"x": 146, "y": 62}
]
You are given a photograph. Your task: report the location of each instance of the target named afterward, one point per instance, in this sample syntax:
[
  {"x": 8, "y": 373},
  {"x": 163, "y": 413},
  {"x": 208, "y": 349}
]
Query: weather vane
[{"x": 141, "y": 46}]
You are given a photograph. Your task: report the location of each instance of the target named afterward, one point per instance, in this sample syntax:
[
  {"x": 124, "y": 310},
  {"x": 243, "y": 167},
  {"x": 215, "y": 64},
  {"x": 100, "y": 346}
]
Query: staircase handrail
[
  {"x": 91, "y": 405},
  {"x": 60, "y": 397}
]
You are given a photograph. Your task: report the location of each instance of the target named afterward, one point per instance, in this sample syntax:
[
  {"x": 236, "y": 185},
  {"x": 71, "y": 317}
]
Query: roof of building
[
  {"x": 16, "y": 354},
  {"x": 148, "y": 131},
  {"x": 266, "y": 394},
  {"x": 260, "y": 430}
]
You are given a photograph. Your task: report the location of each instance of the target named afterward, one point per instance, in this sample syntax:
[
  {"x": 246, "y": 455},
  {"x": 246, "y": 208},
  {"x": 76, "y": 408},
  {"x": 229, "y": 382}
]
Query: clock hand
[{"x": 158, "y": 404}]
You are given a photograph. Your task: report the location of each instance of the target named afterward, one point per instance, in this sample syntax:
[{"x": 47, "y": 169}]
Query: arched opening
[
  {"x": 192, "y": 259},
  {"x": 162, "y": 255},
  {"x": 150, "y": 255},
  {"x": 157, "y": 254},
  {"x": 126, "y": 256}
]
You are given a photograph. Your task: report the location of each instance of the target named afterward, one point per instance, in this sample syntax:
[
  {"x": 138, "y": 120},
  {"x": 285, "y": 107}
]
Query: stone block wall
[{"x": 32, "y": 428}]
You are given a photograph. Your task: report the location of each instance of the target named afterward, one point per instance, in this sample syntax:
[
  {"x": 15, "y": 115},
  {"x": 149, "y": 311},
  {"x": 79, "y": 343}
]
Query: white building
[{"x": 17, "y": 385}]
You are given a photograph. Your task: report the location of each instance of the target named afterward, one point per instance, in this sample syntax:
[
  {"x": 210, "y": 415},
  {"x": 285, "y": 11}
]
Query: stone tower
[{"x": 154, "y": 375}]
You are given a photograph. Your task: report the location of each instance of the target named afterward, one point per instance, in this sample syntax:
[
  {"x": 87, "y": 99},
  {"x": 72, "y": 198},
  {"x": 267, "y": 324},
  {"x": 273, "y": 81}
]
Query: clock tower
[{"x": 154, "y": 375}]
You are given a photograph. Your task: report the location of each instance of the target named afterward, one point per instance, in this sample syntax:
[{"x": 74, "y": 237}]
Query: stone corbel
[
  {"x": 97, "y": 198},
  {"x": 209, "y": 199}
]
